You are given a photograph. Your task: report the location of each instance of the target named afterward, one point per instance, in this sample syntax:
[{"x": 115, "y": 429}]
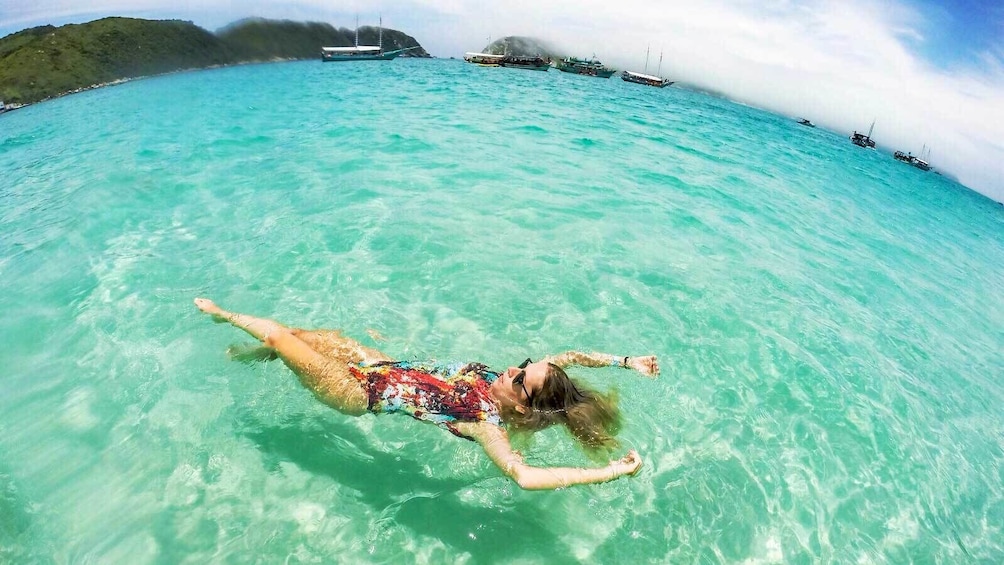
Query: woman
[{"x": 470, "y": 400}]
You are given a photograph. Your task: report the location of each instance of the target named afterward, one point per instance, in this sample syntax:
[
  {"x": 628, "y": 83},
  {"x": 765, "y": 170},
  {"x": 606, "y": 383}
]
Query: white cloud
[{"x": 840, "y": 63}]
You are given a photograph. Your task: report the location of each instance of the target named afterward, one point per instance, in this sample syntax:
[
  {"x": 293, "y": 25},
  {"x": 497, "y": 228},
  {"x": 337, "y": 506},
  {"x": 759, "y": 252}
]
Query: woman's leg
[
  {"x": 328, "y": 377},
  {"x": 331, "y": 343},
  {"x": 259, "y": 328}
]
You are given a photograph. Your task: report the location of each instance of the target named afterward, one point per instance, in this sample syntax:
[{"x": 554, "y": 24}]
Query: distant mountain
[
  {"x": 522, "y": 47},
  {"x": 47, "y": 61}
]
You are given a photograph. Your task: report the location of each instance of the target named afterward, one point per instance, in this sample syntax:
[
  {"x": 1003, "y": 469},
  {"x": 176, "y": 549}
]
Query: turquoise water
[{"x": 828, "y": 321}]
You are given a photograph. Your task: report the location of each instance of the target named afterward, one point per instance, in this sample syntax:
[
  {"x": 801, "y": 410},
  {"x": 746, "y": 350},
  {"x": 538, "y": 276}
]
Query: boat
[
  {"x": 650, "y": 80},
  {"x": 639, "y": 78},
  {"x": 590, "y": 67},
  {"x": 806, "y": 122},
  {"x": 862, "y": 140},
  {"x": 921, "y": 162},
  {"x": 910, "y": 159},
  {"x": 484, "y": 59},
  {"x": 361, "y": 52},
  {"x": 531, "y": 63}
]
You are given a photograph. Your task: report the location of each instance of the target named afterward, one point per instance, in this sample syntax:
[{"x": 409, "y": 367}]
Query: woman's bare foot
[{"x": 210, "y": 307}]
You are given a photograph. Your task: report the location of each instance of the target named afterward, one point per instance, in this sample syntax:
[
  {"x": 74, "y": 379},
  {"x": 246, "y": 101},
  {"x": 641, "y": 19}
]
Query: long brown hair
[{"x": 591, "y": 417}]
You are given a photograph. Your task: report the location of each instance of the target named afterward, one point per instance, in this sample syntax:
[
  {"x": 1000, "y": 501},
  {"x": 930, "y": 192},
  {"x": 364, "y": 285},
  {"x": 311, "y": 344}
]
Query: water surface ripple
[{"x": 828, "y": 321}]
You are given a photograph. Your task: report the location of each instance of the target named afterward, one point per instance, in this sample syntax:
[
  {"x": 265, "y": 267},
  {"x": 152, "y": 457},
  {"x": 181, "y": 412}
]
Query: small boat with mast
[
  {"x": 647, "y": 79},
  {"x": 361, "y": 52},
  {"x": 910, "y": 159},
  {"x": 862, "y": 140},
  {"x": 484, "y": 59}
]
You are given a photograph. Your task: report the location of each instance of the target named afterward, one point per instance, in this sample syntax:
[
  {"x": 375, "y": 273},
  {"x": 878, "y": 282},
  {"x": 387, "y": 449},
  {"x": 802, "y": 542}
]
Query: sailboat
[
  {"x": 361, "y": 52},
  {"x": 484, "y": 59},
  {"x": 643, "y": 78},
  {"x": 910, "y": 159},
  {"x": 862, "y": 140},
  {"x": 922, "y": 162}
]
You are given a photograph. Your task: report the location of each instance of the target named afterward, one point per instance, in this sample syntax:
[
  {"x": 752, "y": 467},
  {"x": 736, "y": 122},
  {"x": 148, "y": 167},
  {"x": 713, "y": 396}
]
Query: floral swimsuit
[{"x": 441, "y": 393}]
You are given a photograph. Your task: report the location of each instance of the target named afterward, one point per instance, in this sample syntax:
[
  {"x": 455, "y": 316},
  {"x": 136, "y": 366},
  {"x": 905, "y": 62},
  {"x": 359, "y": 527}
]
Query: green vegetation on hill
[
  {"x": 258, "y": 39},
  {"x": 522, "y": 47},
  {"x": 47, "y": 61}
]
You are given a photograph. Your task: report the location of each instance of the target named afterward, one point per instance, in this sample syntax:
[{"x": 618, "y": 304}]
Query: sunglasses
[{"x": 520, "y": 377}]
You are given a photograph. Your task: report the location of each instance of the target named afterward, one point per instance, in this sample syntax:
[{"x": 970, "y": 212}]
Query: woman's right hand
[
  {"x": 647, "y": 365},
  {"x": 627, "y": 465}
]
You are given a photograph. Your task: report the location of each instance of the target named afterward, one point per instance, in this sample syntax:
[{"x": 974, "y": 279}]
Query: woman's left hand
[
  {"x": 647, "y": 365},
  {"x": 627, "y": 465}
]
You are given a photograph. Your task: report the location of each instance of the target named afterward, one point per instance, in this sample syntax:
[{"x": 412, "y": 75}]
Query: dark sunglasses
[{"x": 520, "y": 376}]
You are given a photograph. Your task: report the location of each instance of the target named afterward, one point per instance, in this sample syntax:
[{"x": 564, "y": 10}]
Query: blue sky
[
  {"x": 958, "y": 31},
  {"x": 930, "y": 72}
]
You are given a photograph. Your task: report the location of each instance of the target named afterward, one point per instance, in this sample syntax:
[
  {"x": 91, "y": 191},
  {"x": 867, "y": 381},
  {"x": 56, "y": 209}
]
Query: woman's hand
[
  {"x": 646, "y": 365},
  {"x": 627, "y": 465}
]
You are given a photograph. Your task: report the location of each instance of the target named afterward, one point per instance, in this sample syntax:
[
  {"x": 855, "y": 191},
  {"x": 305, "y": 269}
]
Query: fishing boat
[
  {"x": 862, "y": 140},
  {"x": 643, "y": 78},
  {"x": 532, "y": 63},
  {"x": 484, "y": 59},
  {"x": 590, "y": 67},
  {"x": 361, "y": 52}
]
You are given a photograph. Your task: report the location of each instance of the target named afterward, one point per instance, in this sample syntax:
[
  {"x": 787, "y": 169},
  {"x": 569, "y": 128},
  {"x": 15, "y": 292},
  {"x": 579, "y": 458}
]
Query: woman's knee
[{"x": 273, "y": 338}]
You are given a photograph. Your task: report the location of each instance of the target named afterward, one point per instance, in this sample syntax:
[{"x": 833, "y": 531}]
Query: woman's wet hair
[{"x": 591, "y": 417}]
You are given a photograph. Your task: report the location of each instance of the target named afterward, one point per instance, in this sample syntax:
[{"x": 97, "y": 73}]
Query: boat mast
[
  {"x": 646, "y": 58},
  {"x": 357, "y": 31},
  {"x": 870, "y": 129},
  {"x": 659, "y": 72},
  {"x": 380, "y": 32}
]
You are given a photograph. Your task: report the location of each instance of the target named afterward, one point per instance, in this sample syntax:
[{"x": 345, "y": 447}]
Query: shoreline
[{"x": 116, "y": 82}]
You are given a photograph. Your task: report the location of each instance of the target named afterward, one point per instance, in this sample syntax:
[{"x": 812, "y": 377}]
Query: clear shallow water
[{"x": 828, "y": 322}]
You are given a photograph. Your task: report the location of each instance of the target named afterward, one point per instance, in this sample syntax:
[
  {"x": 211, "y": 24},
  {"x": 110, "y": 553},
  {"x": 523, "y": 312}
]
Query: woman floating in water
[{"x": 470, "y": 400}]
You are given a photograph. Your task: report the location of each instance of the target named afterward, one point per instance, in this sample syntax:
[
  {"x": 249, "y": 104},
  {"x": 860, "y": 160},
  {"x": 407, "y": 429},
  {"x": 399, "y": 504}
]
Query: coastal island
[
  {"x": 518, "y": 46},
  {"x": 45, "y": 62}
]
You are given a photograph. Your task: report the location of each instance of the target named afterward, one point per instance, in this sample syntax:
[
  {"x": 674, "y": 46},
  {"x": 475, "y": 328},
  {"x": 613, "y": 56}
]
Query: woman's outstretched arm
[
  {"x": 495, "y": 442},
  {"x": 647, "y": 364}
]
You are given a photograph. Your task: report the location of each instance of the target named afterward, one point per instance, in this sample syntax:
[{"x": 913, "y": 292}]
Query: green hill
[
  {"x": 522, "y": 47},
  {"x": 47, "y": 61},
  {"x": 259, "y": 39}
]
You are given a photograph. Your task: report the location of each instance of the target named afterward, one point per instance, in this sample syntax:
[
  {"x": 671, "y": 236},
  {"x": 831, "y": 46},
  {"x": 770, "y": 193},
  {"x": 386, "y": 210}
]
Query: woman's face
[{"x": 511, "y": 393}]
